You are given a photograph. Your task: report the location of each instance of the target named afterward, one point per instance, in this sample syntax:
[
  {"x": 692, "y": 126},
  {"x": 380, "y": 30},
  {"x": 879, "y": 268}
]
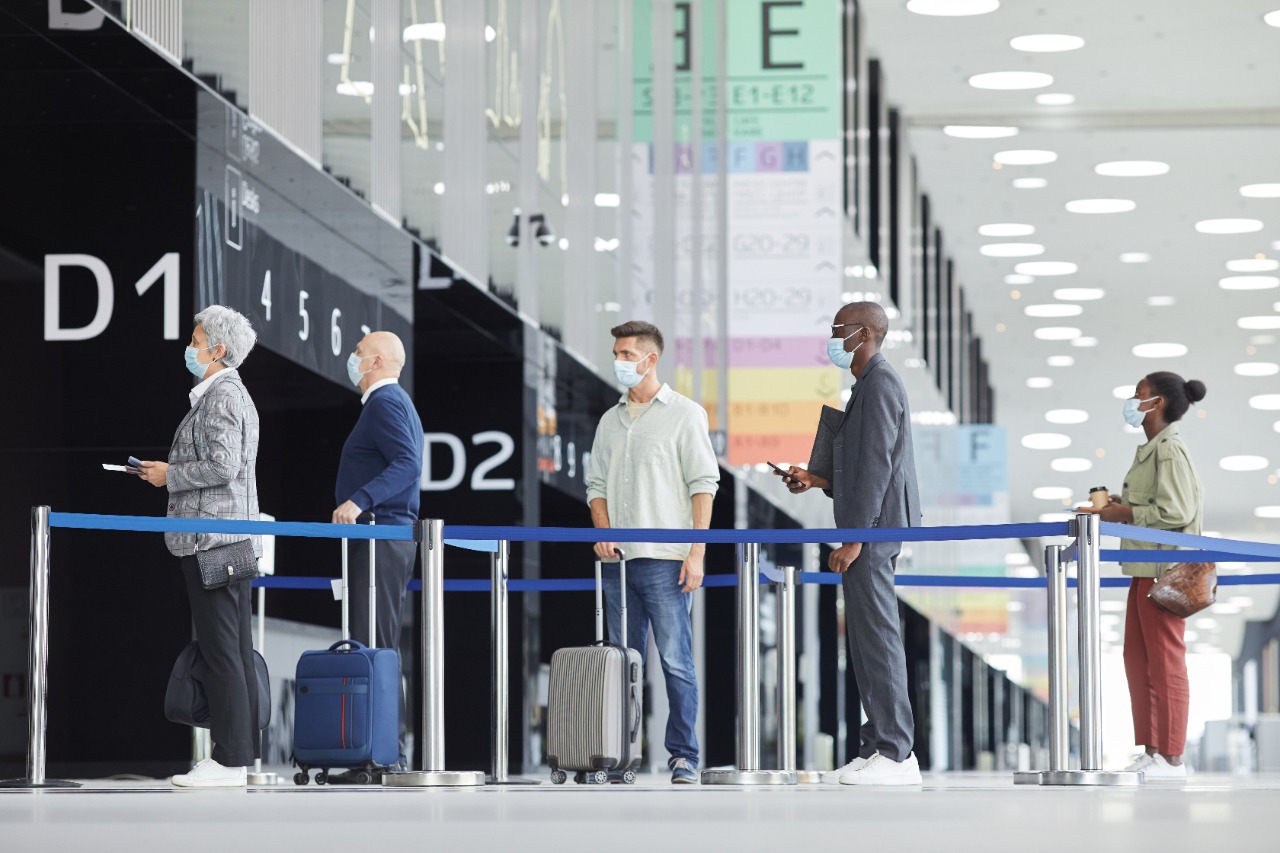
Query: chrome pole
[
  {"x": 38, "y": 660},
  {"x": 346, "y": 599},
  {"x": 748, "y": 771},
  {"x": 1059, "y": 725},
  {"x": 433, "y": 774},
  {"x": 787, "y": 669},
  {"x": 498, "y": 706},
  {"x": 256, "y": 776},
  {"x": 373, "y": 592},
  {"x": 1088, "y": 555}
]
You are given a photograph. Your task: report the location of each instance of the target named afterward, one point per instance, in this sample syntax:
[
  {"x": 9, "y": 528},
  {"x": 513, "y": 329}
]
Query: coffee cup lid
[{"x": 1097, "y": 489}]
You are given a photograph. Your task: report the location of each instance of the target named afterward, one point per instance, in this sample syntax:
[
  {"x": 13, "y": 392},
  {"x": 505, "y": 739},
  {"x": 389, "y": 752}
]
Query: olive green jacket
[{"x": 1165, "y": 493}]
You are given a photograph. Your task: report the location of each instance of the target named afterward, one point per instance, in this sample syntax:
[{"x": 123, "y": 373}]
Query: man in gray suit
[{"x": 873, "y": 483}]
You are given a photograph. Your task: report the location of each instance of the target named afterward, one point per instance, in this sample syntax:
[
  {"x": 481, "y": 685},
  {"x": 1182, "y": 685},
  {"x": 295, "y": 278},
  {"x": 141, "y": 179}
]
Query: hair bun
[{"x": 1195, "y": 390}]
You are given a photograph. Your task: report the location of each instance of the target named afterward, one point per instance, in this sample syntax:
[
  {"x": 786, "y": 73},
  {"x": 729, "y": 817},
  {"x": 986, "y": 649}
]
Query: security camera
[
  {"x": 513, "y": 233},
  {"x": 543, "y": 232}
]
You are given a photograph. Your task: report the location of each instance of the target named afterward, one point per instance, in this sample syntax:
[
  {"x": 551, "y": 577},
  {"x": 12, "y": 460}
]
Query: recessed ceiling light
[
  {"x": 336, "y": 58},
  {"x": 1055, "y": 99},
  {"x": 1085, "y": 341},
  {"x": 1071, "y": 465},
  {"x": 952, "y": 8},
  {"x": 1266, "y": 321},
  {"x": 1030, "y": 183},
  {"x": 1060, "y": 361},
  {"x": 978, "y": 131},
  {"x": 608, "y": 199},
  {"x": 1265, "y": 402},
  {"x": 1242, "y": 463},
  {"x": 1034, "y": 268},
  {"x": 1014, "y": 278},
  {"x": 1253, "y": 265},
  {"x": 1079, "y": 294},
  {"x": 1161, "y": 301},
  {"x": 1053, "y": 309},
  {"x": 1123, "y": 392},
  {"x": 1057, "y": 333},
  {"x": 1039, "y": 382},
  {"x": 1131, "y": 168},
  {"x": 1262, "y": 340},
  {"x": 1025, "y": 157},
  {"x": 1160, "y": 350},
  {"x": 1066, "y": 416},
  {"x": 1249, "y": 282},
  {"x": 1011, "y": 250},
  {"x": 1228, "y": 226},
  {"x": 1006, "y": 229},
  {"x": 1260, "y": 191},
  {"x": 1046, "y": 441},
  {"x": 1267, "y": 512},
  {"x": 1011, "y": 80},
  {"x": 1051, "y": 493},
  {"x": 1272, "y": 18},
  {"x": 1134, "y": 257},
  {"x": 1101, "y": 205},
  {"x": 1046, "y": 43}
]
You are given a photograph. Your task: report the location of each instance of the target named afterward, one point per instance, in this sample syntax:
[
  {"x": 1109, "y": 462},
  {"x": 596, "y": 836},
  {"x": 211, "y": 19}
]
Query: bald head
[
  {"x": 387, "y": 345},
  {"x": 867, "y": 314}
]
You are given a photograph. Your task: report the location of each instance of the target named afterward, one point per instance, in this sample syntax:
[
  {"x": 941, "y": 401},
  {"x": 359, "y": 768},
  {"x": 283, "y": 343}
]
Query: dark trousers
[
  {"x": 393, "y": 561},
  {"x": 223, "y": 621},
  {"x": 876, "y": 653}
]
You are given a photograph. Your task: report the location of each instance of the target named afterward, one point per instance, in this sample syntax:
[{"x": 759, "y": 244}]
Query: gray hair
[{"x": 226, "y": 326}]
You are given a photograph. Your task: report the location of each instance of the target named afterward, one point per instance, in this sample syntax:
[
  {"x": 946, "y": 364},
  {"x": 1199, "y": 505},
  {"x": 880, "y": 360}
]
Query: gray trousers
[
  {"x": 393, "y": 561},
  {"x": 876, "y": 652}
]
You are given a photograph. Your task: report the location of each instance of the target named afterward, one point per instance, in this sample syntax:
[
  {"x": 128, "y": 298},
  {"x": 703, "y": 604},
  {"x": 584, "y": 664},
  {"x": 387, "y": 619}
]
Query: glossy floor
[{"x": 954, "y": 813}]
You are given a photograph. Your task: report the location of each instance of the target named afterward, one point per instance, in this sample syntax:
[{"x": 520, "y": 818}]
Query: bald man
[{"x": 379, "y": 473}]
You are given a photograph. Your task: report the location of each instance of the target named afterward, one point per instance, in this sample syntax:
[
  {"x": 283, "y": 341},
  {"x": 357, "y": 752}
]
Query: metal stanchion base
[
  {"x": 1026, "y": 777},
  {"x": 748, "y": 777},
  {"x": 808, "y": 777},
  {"x": 433, "y": 779},
  {"x": 256, "y": 778},
  {"x": 1100, "y": 778},
  {"x": 512, "y": 780},
  {"x": 47, "y": 783}
]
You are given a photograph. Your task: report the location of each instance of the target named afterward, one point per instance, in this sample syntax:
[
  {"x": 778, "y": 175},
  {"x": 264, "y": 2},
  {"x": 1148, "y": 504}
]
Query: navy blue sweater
[{"x": 381, "y": 465}]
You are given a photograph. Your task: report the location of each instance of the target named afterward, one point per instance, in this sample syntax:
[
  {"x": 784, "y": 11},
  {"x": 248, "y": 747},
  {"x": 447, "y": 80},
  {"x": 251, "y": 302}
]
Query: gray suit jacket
[
  {"x": 874, "y": 466},
  {"x": 213, "y": 463}
]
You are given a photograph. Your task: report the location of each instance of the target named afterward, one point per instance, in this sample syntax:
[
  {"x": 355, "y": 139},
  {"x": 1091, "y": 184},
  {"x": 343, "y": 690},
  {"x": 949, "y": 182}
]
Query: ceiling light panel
[
  {"x": 1006, "y": 229},
  {"x": 1051, "y": 493},
  {"x": 1249, "y": 282},
  {"x": 1025, "y": 157},
  {"x": 1034, "y": 268},
  {"x": 1030, "y": 183},
  {"x": 1046, "y": 441},
  {"x": 1060, "y": 361},
  {"x": 1039, "y": 382},
  {"x": 1161, "y": 301},
  {"x": 1071, "y": 465},
  {"x": 1079, "y": 294},
  {"x": 1011, "y": 80},
  {"x": 1015, "y": 278},
  {"x": 1257, "y": 368},
  {"x": 1046, "y": 43},
  {"x": 1011, "y": 250},
  {"x": 952, "y": 8},
  {"x": 1242, "y": 463},
  {"x": 1132, "y": 168},
  {"x": 1057, "y": 333},
  {"x": 1101, "y": 205},
  {"x": 1085, "y": 341},
  {"x": 1260, "y": 191},
  {"x": 1272, "y": 18},
  {"x": 1228, "y": 226},
  {"x": 1055, "y": 99},
  {"x": 1053, "y": 310},
  {"x": 1160, "y": 350},
  {"x": 1066, "y": 416},
  {"x": 1123, "y": 392},
  {"x": 1258, "y": 323},
  {"x": 1253, "y": 265},
  {"x": 978, "y": 131},
  {"x": 1265, "y": 402}
]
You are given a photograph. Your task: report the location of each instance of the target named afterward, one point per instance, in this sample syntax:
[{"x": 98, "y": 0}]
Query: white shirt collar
[
  {"x": 663, "y": 395},
  {"x": 391, "y": 380},
  {"x": 198, "y": 391}
]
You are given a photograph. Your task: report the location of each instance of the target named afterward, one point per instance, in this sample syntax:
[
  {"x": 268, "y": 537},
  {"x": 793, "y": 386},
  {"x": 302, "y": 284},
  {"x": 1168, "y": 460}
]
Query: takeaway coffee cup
[{"x": 1098, "y": 497}]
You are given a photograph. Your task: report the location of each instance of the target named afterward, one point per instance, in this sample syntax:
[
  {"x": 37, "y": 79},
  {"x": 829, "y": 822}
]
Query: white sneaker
[
  {"x": 880, "y": 770},
  {"x": 832, "y": 777},
  {"x": 210, "y": 774},
  {"x": 1160, "y": 770},
  {"x": 1141, "y": 763}
]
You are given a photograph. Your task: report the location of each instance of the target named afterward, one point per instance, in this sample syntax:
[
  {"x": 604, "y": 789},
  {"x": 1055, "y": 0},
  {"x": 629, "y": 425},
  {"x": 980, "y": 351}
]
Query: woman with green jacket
[{"x": 1161, "y": 491}]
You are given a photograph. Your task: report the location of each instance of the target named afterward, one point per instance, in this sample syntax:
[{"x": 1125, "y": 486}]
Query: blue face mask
[
  {"x": 353, "y": 368},
  {"x": 1133, "y": 416},
  {"x": 836, "y": 351},
  {"x": 626, "y": 372},
  {"x": 197, "y": 369}
]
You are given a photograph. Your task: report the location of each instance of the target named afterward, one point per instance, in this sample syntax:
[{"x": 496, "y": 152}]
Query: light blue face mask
[
  {"x": 626, "y": 373},
  {"x": 836, "y": 352},
  {"x": 1134, "y": 416},
  {"x": 197, "y": 369},
  {"x": 354, "y": 373}
]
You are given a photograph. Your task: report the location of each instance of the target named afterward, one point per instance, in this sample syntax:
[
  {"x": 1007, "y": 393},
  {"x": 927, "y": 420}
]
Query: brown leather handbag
[{"x": 1186, "y": 588}]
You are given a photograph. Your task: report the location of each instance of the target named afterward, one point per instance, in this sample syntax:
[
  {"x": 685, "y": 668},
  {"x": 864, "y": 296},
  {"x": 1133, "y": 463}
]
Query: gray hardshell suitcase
[{"x": 594, "y": 704}]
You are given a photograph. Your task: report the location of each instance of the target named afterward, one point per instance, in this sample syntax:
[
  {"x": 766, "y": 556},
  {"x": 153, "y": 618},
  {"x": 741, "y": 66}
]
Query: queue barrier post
[
  {"x": 747, "y": 771},
  {"x": 432, "y": 774},
  {"x": 1055, "y": 569},
  {"x": 257, "y": 776},
  {"x": 38, "y": 660},
  {"x": 500, "y": 670},
  {"x": 1088, "y": 553}
]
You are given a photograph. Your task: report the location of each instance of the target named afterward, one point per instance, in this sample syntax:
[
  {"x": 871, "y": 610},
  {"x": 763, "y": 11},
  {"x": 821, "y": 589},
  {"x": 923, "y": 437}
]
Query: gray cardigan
[{"x": 212, "y": 465}]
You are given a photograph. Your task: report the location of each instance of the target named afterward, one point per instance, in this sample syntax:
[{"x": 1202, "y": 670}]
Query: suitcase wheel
[
  {"x": 600, "y": 777},
  {"x": 364, "y": 777},
  {"x": 322, "y": 776},
  {"x": 558, "y": 777},
  {"x": 301, "y": 778},
  {"x": 629, "y": 777}
]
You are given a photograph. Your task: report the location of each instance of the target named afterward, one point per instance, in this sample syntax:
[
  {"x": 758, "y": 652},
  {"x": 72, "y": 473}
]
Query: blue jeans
[{"x": 654, "y": 597}]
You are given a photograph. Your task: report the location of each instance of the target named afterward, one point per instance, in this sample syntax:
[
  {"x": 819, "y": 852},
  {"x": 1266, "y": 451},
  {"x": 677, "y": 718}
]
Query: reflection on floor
[{"x": 954, "y": 813}]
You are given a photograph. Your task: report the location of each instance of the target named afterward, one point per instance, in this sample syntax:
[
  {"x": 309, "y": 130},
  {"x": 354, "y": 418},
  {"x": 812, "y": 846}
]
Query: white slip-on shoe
[
  {"x": 880, "y": 770},
  {"x": 832, "y": 777},
  {"x": 1142, "y": 762},
  {"x": 210, "y": 774},
  {"x": 1160, "y": 770}
]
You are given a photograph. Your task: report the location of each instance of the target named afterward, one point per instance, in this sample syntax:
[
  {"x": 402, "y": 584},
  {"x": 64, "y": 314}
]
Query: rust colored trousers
[{"x": 1155, "y": 661}]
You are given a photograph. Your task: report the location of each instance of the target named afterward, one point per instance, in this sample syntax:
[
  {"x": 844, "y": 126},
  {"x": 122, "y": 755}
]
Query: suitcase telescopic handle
[
  {"x": 373, "y": 592},
  {"x": 622, "y": 577},
  {"x": 622, "y": 570}
]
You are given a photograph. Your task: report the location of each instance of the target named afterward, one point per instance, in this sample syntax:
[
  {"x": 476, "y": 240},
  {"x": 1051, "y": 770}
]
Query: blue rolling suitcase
[{"x": 346, "y": 709}]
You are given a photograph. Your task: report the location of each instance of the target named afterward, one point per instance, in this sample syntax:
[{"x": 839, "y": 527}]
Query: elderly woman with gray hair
[{"x": 210, "y": 473}]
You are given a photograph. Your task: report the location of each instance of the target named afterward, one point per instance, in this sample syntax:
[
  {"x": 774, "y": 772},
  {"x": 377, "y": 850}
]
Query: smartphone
[
  {"x": 134, "y": 462},
  {"x": 786, "y": 478}
]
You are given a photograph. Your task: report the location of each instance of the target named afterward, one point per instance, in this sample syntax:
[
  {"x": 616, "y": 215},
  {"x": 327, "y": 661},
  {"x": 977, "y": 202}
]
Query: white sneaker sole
[
  {"x": 209, "y": 783},
  {"x": 881, "y": 782}
]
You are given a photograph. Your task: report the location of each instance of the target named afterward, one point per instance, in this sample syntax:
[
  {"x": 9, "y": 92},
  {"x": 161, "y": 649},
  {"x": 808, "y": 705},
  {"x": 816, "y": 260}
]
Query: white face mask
[
  {"x": 626, "y": 373},
  {"x": 1134, "y": 416}
]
